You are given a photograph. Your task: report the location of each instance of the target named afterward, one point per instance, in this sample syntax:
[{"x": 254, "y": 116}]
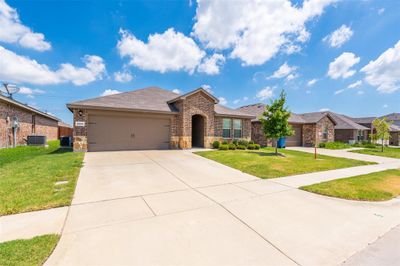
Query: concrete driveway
[{"x": 176, "y": 208}]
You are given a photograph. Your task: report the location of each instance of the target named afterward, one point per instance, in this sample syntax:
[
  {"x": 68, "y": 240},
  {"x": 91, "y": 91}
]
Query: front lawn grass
[
  {"x": 265, "y": 164},
  {"x": 27, "y": 252},
  {"x": 377, "y": 186},
  {"x": 28, "y": 177},
  {"x": 387, "y": 152},
  {"x": 336, "y": 145}
]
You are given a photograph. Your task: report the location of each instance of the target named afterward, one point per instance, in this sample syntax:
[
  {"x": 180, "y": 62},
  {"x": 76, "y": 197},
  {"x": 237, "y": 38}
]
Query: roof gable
[{"x": 199, "y": 90}]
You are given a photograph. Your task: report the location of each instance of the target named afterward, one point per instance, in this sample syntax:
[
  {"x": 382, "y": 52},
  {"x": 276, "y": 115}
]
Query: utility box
[
  {"x": 36, "y": 140},
  {"x": 65, "y": 141}
]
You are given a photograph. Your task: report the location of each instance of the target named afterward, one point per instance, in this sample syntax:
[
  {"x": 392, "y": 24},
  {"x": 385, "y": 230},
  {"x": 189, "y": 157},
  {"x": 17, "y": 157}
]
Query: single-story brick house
[
  {"x": 309, "y": 128},
  {"x": 30, "y": 122},
  {"x": 155, "y": 118},
  {"x": 394, "y": 118}
]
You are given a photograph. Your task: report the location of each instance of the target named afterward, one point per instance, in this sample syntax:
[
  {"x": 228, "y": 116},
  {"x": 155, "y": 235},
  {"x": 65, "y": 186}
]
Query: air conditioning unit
[
  {"x": 65, "y": 141},
  {"x": 36, "y": 140}
]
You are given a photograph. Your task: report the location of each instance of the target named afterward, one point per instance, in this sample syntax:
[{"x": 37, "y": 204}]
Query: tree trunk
[
  {"x": 382, "y": 145},
  {"x": 276, "y": 147}
]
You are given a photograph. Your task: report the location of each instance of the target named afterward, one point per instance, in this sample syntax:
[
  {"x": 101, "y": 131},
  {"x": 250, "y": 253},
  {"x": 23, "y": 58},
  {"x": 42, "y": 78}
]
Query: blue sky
[{"x": 338, "y": 55}]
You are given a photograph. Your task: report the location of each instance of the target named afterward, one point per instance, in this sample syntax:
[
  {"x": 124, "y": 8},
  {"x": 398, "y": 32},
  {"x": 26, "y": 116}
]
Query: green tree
[
  {"x": 382, "y": 130},
  {"x": 274, "y": 120}
]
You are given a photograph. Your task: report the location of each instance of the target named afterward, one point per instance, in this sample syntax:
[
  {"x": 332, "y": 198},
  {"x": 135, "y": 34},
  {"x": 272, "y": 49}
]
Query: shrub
[
  {"x": 216, "y": 144},
  {"x": 223, "y": 147},
  {"x": 257, "y": 146},
  {"x": 241, "y": 147},
  {"x": 251, "y": 146},
  {"x": 232, "y": 146},
  {"x": 235, "y": 141},
  {"x": 336, "y": 145},
  {"x": 321, "y": 145},
  {"x": 243, "y": 142},
  {"x": 251, "y": 142},
  {"x": 225, "y": 142},
  {"x": 370, "y": 145}
]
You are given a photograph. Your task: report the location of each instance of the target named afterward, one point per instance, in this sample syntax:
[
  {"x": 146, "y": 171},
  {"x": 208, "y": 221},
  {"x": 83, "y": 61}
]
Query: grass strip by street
[
  {"x": 27, "y": 252},
  {"x": 265, "y": 164},
  {"x": 378, "y": 186},
  {"x": 37, "y": 178},
  {"x": 387, "y": 152}
]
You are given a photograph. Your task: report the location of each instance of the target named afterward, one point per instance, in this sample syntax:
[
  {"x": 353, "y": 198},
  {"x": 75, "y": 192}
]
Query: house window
[
  {"x": 33, "y": 124},
  {"x": 325, "y": 133},
  {"x": 237, "y": 128},
  {"x": 360, "y": 135},
  {"x": 226, "y": 128}
]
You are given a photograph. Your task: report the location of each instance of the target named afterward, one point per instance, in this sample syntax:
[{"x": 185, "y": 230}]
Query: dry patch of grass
[{"x": 377, "y": 186}]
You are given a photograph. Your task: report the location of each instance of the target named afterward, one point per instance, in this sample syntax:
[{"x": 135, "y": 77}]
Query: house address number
[{"x": 79, "y": 123}]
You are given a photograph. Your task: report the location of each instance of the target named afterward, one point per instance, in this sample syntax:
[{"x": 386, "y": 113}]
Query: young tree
[
  {"x": 274, "y": 120},
  {"x": 382, "y": 130}
]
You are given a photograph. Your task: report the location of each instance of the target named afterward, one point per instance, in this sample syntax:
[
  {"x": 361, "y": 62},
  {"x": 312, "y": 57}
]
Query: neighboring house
[
  {"x": 309, "y": 128},
  {"x": 154, "y": 118},
  {"x": 394, "y": 118},
  {"x": 30, "y": 121},
  {"x": 348, "y": 131}
]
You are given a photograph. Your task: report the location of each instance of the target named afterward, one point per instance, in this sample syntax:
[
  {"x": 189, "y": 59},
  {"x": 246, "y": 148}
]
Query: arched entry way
[{"x": 197, "y": 131}]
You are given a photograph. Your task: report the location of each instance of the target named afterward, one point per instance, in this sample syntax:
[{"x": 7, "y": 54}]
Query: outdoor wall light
[{"x": 80, "y": 113}]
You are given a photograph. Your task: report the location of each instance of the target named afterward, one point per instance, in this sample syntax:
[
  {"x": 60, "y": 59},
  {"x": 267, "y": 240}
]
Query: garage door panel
[
  {"x": 296, "y": 139},
  {"x": 118, "y": 132}
]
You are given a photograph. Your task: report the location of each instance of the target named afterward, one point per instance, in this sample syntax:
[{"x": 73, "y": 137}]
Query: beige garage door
[
  {"x": 295, "y": 140},
  {"x": 113, "y": 132}
]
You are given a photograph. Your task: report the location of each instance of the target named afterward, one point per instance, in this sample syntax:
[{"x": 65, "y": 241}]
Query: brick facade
[
  {"x": 30, "y": 123},
  {"x": 198, "y": 103},
  {"x": 312, "y": 134}
]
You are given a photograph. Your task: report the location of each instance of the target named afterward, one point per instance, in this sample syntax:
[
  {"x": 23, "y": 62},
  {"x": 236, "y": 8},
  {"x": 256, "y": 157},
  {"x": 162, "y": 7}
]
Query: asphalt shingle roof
[
  {"x": 342, "y": 121},
  {"x": 151, "y": 99}
]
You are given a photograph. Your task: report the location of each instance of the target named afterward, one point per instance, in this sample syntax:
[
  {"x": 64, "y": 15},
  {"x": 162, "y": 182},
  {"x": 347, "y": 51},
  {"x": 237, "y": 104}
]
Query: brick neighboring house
[
  {"x": 31, "y": 122},
  {"x": 309, "y": 128},
  {"x": 154, "y": 118},
  {"x": 394, "y": 128}
]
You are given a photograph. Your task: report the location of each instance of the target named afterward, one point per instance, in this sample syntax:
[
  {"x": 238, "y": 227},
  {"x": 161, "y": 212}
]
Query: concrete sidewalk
[
  {"x": 384, "y": 252},
  {"x": 31, "y": 224}
]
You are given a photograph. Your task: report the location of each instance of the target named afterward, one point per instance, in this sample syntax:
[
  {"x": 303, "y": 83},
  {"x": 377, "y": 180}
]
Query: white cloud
[
  {"x": 123, "y": 76},
  {"x": 385, "y": 106},
  {"x": 110, "y": 92},
  {"x": 240, "y": 100},
  {"x": 284, "y": 71},
  {"x": 93, "y": 70},
  {"x": 339, "y": 36},
  {"x": 324, "y": 109},
  {"x": 222, "y": 101},
  {"x": 19, "y": 69},
  {"x": 211, "y": 64},
  {"x": 311, "y": 82},
  {"x": 13, "y": 31},
  {"x": 176, "y": 91},
  {"x": 360, "y": 92},
  {"x": 30, "y": 93},
  {"x": 265, "y": 93},
  {"x": 381, "y": 11},
  {"x": 339, "y": 91},
  {"x": 207, "y": 88},
  {"x": 255, "y": 31},
  {"x": 291, "y": 77},
  {"x": 169, "y": 51},
  {"x": 355, "y": 84},
  {"x": 341, "y": 66},
  {"x": 384, "y": 72}
]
